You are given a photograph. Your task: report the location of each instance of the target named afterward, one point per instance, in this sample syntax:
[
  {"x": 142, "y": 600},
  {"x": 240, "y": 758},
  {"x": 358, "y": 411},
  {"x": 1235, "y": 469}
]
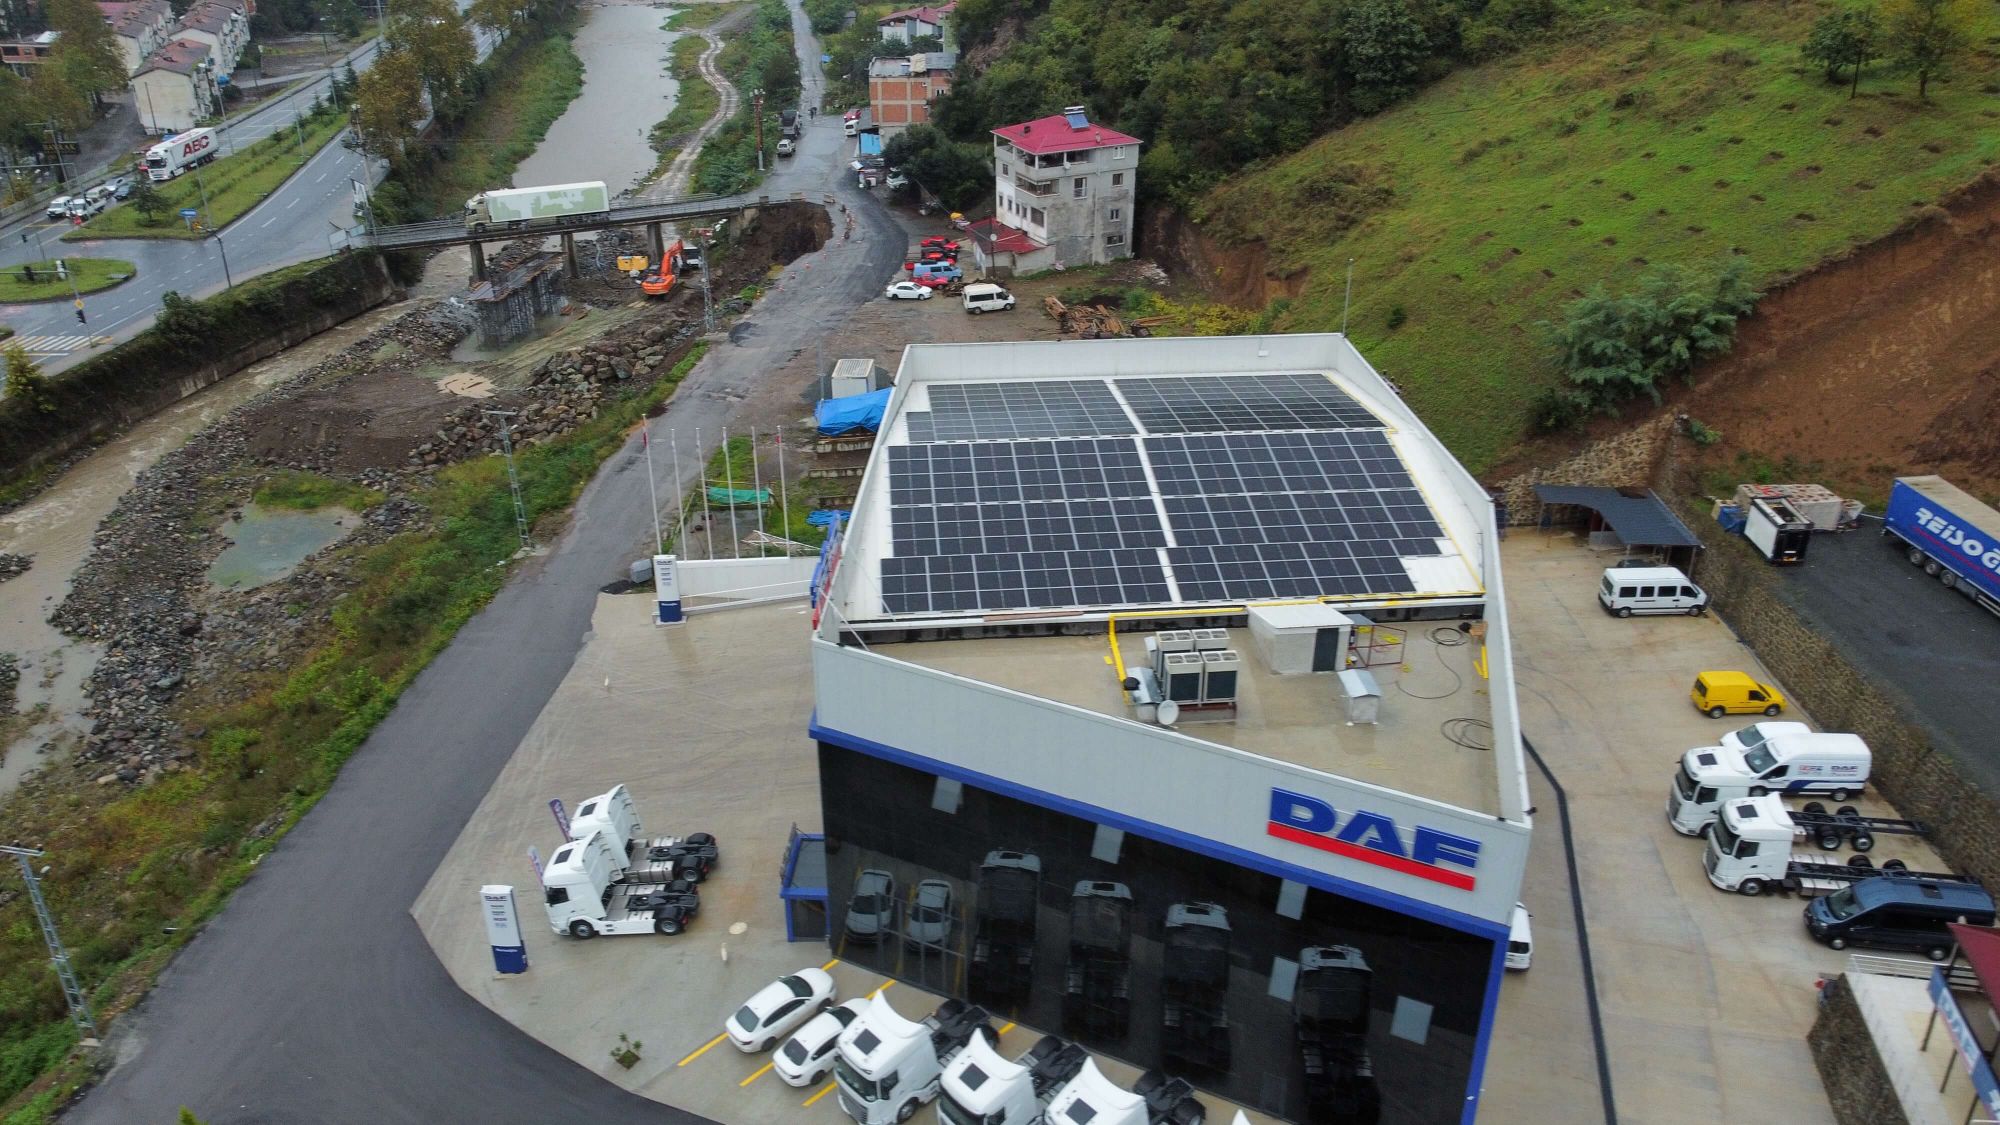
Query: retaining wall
[{"x": 1857, "y": 1085}]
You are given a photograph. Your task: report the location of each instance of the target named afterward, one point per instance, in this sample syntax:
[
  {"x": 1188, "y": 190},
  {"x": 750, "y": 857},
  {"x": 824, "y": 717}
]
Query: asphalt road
[
  {"x": 1929, "y": 646},
  {"x": 297, "y": 223},
  {"x": 313, "y": 997}
]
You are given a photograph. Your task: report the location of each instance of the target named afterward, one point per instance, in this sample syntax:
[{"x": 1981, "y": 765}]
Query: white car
[
  {"x": 808, "y": 1056},
  {"x": 1520, "y": 940},
  {"x": 907, "y": 291},
  {"x": 778, "y": 1008},
  {"x": 930, "y": 916},
  {"x": 872, "y": 911},
  {"x": 58, "y": 207}
]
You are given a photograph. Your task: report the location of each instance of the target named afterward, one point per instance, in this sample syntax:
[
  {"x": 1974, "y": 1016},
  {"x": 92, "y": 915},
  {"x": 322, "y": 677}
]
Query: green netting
[{"x": 757, "y": 496}]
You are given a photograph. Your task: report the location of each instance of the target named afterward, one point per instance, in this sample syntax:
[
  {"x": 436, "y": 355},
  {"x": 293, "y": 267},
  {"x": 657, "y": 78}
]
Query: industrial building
[{"x": 1178, "y": 671}]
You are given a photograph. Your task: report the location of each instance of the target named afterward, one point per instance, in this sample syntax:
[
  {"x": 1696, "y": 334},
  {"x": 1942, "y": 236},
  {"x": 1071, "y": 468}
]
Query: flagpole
[
  {"x": 729, "y": 483},
  {"x": 680, "y": 500},
  {"x": 701, "y": 478},
  {"x": 784, "y": 498},
  {"x": 652, "y": 489},
  {"x": 756, "y": 485}
]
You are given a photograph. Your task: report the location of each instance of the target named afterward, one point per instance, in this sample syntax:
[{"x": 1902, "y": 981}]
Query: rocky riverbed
[{"x": 371, "y": 414}]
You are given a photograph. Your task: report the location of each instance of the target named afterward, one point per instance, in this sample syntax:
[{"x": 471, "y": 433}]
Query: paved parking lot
[{"x": 1706, "y": 996}]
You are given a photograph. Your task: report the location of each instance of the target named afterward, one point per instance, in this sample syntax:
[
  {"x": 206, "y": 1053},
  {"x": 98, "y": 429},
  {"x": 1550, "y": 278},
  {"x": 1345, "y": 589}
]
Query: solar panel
[
  {"x": 1226, "y": 403},
  {"x": 1077, "y": 119},
  {"x": 1019, "y": 409},
  {"x": 1049, "y": 494}
]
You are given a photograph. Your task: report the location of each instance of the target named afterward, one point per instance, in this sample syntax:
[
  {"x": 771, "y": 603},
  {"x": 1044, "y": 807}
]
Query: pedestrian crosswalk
[{"x": 51, "y": 345}]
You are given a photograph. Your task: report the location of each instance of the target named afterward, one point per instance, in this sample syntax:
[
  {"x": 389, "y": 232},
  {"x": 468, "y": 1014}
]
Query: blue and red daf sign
[{"x": 1370, "y": 837}]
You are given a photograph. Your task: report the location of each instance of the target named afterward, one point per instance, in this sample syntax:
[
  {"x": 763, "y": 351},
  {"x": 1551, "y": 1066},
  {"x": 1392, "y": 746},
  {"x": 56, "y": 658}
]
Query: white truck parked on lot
[
  {"x": 887, "y": 1066},
  {"x": 660, "y": 858},
  {"x": 523, "y": 208},
  {"x": 1764, "y": 758},
  {"x": 1092, "y": 1099},
  {"x": 983, "y": 1088},
  {"x": 1749, "y": 851},
  {"x": 585, "y": 894}
]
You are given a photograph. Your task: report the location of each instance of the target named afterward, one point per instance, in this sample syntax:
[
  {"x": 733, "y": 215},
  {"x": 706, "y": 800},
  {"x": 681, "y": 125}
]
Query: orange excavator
[{"x": 660, "y": 280}]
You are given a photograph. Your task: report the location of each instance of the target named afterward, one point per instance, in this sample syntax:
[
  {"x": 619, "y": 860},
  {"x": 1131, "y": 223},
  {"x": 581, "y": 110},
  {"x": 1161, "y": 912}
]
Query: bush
[{"x": 1615, "y": 348}]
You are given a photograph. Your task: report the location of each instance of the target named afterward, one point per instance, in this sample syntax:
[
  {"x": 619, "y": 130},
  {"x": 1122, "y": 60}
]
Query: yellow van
[{"x": 1734, "y": 693}]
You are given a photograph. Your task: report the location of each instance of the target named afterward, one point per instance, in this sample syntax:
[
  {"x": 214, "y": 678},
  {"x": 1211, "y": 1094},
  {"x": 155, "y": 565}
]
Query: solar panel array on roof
[
  {"x": 1096, "y": 493},
  {"x": 1077, "y": 119}
]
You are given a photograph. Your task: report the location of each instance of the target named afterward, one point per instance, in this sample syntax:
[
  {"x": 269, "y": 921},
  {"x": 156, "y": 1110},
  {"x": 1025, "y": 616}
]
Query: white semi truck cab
[
  {"x": 612, "y": 813},
  {"x": 982, "y": 1088},
  {"x": 1750, "y": 848},
  {"x": 584, "y": 896},
  {"x": 887, "y": 1066},
  {"x": 1764, "y": 760}
]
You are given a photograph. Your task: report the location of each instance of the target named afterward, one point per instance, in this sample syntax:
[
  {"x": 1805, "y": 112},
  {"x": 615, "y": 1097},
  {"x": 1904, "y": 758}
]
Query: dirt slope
[{"x": 1884, "y": 363}]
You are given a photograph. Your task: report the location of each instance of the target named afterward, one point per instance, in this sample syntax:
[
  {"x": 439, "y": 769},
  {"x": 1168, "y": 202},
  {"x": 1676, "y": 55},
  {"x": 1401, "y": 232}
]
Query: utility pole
[
  {"x": 513, "y": 478},
  {"x": 758, "y": 97},
  {"x": 707, "y": 310},
  {"x": 1348, "y": 299},
  {"x": 79, "y": 1004}
]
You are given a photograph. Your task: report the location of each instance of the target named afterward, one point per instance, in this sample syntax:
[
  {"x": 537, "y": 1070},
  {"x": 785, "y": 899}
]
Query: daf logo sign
[{"x": 1370, "y": 837}]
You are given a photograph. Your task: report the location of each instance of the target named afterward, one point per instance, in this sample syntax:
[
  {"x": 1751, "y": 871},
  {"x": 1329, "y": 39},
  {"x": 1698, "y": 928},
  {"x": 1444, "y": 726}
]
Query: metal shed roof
[{"x": 1641, "y": 520}]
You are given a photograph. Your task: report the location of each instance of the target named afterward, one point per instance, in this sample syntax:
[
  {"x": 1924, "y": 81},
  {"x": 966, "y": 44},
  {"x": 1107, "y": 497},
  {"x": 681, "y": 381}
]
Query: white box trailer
[
  {"x": 1777, "y": 530},
  {"x": 522, "y": 208}
]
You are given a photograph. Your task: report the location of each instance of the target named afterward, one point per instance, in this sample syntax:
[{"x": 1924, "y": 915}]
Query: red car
[
  {"x": 940, "y": 242},
  {"x": 933, "y": 281}
]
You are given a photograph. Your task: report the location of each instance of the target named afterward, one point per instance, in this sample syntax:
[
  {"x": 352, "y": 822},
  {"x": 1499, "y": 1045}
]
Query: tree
[
  {"x": 146, "y": 198},
  {"x": 1613, "y": 348},
  {"x": 1924, "y": 36},
  {"x": 24, "y": 380},
  {"x": 497, "y": 15},
  {"x": 87, "y": 55},
  {"x": 958, "y": 174},
  {"x": 437, "y": 40},
  {"x": 389, "y": 104},
  {"x": 1840, "y": 39},
  {"x": 1385, "y": 50},
  {"x": 187, "y": 1117}
]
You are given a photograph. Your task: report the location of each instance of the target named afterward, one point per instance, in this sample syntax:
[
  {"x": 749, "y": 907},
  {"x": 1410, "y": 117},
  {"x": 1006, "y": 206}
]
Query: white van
[
  {"x": 987, "y": 298},
  {"x": 1520, "y": 940},
  {"x": 1650, "y": 589},
  {"x": 1795, "y": 764},
  {"x": 850, "y": 128}
]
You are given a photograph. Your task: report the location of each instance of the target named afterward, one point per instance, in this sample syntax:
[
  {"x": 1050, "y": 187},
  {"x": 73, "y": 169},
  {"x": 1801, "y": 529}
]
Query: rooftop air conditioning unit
[
  {"x": 1180, "y": 677},
  {"x": 1218, "y": 675},
  {"x": 1206, "y": 640},
  {"x": 1173, "y": 640}
]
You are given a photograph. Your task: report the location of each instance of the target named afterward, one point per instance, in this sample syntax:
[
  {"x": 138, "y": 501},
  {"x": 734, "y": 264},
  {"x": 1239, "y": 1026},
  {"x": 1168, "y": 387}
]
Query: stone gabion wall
[
  {"x": 1856, "y": 1083},
  {"x": 1627, "y": 460}
]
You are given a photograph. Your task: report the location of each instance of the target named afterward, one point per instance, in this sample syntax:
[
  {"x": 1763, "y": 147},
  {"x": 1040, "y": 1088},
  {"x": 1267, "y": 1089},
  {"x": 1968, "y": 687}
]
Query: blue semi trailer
[{"x": 1949, "y": 533}]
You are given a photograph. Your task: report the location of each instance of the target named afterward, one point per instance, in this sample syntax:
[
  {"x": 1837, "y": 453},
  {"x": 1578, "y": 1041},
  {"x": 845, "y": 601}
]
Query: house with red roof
[
  {"x": 915, "y": 23},
  {"x": 1063, "y": 192}
]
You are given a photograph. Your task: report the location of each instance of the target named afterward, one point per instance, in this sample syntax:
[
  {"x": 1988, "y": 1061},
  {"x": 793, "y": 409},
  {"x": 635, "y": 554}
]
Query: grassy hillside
[{"x": 1479, "y": 207}]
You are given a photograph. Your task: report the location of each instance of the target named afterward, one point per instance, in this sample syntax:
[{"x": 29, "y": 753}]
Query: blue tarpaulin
[
  {"x": 825, "y": 516},
  {"x": 838, "y": 416},
  {"x": 871, "y": 144}
]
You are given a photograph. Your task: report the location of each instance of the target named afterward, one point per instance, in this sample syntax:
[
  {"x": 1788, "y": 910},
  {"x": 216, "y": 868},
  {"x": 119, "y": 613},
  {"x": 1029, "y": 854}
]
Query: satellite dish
[{"x": 1169, "y": 712}]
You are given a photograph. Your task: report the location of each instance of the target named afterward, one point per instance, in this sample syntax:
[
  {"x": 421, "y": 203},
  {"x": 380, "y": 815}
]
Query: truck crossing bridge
[{"x": 650, "y": 214}]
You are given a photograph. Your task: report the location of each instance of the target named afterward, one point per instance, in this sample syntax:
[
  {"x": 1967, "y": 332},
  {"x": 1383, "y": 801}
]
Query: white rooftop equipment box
[{"x": 1300, "y": 638}]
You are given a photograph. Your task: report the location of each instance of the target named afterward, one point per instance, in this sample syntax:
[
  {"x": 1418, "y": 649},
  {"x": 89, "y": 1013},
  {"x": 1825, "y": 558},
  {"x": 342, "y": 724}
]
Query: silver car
[{"x": 931, "y": 916}]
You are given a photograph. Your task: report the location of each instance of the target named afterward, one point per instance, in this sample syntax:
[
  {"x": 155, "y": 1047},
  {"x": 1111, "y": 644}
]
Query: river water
[
  {"x": 627, "y": 89},
  {"x": 602, "y": 136}
]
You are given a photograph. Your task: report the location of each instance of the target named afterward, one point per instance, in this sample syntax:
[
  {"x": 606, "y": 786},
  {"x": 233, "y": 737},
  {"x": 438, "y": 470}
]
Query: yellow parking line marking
[
  {"x": 823, "y": 1091},
  {"x": 885, "y": 987},
  {"x": 1009, "y": 1027},
  {"x": 828, "y": 967},
  {"x": 703, "y": 1049},
  {"x": 759, "y": 1074}
]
